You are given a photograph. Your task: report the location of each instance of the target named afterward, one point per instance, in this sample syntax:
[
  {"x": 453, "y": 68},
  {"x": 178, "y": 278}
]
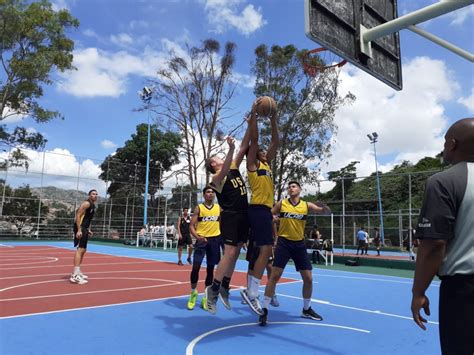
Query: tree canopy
[
  {"x": 192, "y": 92},
  {"x": 33, "y": 43},
  {"x": 306, "y": 108},
  {"x": 126, "y": 169}
]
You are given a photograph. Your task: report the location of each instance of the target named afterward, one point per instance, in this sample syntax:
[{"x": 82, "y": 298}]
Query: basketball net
[{"x": 324, "y": 67}]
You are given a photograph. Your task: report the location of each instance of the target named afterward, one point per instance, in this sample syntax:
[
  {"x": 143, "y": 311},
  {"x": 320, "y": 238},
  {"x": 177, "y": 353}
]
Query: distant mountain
[{"x": 58, "y": 198}]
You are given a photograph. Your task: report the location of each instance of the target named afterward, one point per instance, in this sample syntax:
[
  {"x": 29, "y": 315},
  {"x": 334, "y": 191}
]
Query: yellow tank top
[
  {"x": 292, "y": 220},
  {"x": 261, "y": 184},
  {"x": 208, "y": 221}
]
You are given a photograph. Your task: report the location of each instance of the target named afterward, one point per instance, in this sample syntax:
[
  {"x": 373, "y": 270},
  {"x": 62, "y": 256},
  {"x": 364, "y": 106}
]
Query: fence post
[
  {"x": 400, "y": 229},
  {"x": 5, "y": 184},
  {"x": 40, "y": 197}
]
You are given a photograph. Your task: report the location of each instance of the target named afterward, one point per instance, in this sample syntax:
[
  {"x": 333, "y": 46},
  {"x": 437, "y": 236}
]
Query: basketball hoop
[{"x": 319, "y": 60}]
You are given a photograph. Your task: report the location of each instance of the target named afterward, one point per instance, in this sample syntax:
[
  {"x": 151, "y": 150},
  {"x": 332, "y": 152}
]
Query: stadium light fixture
[{"x": 373, "y": 139}]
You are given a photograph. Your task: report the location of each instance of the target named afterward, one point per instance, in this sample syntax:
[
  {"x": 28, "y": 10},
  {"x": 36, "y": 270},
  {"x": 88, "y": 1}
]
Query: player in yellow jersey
[
  {"x": 205, "y": 228},
  {"x": 292, "y": 214},
  {"x": 261, "y": 202}
]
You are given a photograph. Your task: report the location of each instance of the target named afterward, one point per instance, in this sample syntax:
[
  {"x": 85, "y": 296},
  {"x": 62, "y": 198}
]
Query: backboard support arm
[{"x": 411, "y": 19}]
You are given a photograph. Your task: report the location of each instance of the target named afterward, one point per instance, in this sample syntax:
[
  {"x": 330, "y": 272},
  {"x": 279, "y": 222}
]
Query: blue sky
[{"x": 121, "y": 43}]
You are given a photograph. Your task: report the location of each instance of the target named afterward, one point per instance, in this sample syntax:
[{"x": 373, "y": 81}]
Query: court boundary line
[
  {"x": 192, "y": 344},
  {"x": 328, "y": 303}
]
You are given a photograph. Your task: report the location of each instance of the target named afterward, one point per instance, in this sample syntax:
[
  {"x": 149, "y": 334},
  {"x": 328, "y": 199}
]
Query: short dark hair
[
  {"x": 185, "y": 208},
  {"x": 91, "y": 191},
  {"x": 207, "y": 188},
  {"x": 294, "y": 182},
  {"x": 208, "y": 165}
]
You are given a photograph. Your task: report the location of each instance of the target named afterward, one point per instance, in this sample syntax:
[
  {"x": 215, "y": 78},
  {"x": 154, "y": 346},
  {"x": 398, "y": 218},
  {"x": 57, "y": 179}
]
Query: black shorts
[
  {"x": 261, "y": 219},
  {"x": 253, "y": 252},
  {"x": 290, "y": 249},
  {"x": 81, "y": 243},
  {"x": 234, "y": 227},
  {"x": 456, "y": 314},
  {"x": 211, "y": 249},
  {"x": 185, "y": 240}
]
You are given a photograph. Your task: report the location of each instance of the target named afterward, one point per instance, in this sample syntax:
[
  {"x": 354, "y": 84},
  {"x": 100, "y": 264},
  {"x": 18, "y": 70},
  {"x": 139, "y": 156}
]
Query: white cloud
[
  {"x": 468, "y": 101},
  {"x": 138, "y": 24},
  {"x": 11, "y": 116},
  {"x": 60, "y": 5},
  {"x": 122, "y": 39},
  {"x": 61, "y": 169},
  {"x": 108, "y": 144},
  {"x": 103, "y": 73},
  {"x": 410, "y": 123},
  {"x": 460, "y": 16},
  {"x": 226, "y": 14}
]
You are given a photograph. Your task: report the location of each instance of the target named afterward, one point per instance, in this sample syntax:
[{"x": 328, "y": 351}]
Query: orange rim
[{"x": 312, "y": 69}]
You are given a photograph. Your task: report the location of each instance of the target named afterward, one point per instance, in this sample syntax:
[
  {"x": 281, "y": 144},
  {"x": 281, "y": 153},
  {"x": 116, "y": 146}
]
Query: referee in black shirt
[{"x": 446, "y": 233}]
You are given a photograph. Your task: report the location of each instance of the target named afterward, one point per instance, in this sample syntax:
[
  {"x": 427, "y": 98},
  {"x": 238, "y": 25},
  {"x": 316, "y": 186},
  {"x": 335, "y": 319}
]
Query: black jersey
[
  {"x": 232, "y": 193},
  {"x": 184, "y": 225},
  {"x": 87, "y": 217}
]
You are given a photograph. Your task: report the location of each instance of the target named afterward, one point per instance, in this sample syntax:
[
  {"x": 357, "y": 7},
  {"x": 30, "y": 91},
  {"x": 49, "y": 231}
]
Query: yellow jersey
[
  {"x": 292, "y": 220},
  {"x": 261, "y": 184},
  {"x": 208, "y": 221}
]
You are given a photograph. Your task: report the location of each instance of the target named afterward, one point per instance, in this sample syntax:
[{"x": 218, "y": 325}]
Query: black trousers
[{"x": 456, "y": 315}]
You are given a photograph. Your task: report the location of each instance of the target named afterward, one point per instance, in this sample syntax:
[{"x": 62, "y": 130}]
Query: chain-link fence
[{"x": 40, "y": 201}]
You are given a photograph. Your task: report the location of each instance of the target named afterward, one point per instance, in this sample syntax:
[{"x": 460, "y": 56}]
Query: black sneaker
[
  {"x": 189, "y": 261},
  {"x": 224, "y": 297},
  {"x": 211, "y": 299},
  {"x": 309, "y": 313},
  {"x": 262, "y": 320}
]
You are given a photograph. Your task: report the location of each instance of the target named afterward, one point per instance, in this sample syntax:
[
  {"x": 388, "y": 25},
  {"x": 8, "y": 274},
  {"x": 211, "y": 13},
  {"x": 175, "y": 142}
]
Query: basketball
[{"x": 266, "y": 106}]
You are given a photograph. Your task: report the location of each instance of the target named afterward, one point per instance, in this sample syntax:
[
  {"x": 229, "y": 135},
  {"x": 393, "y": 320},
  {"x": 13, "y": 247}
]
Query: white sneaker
[
  {"x": 85, "y": 277},
  {"x": 77, "y": 279}
]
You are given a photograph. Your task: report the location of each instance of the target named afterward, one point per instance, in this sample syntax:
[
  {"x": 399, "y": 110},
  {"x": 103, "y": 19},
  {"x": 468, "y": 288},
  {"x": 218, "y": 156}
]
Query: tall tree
[
  {"x": 126, "y": 169},
  {"x": 32, "y": 44},
  {"x": 192, "y": 93},
  {"x": 344, "y": 175},
  {"x": 21, "y": 208},
  {"x": 306, "y": 108}
]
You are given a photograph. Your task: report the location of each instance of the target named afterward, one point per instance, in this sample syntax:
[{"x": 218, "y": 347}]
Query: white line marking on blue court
[
  {"x": 192, "y": 344},
  {"x": 352, "y": 308}
]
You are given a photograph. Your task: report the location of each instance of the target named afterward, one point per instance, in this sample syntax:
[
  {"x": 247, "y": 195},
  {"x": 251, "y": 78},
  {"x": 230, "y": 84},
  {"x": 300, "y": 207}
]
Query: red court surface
[{"x": 35, "y": 279}]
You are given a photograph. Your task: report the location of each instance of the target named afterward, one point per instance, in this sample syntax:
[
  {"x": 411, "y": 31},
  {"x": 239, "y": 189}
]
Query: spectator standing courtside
[
  {"x": 361, "y": 240},
  {"x": 446, "y": 234},
  {"x": 184, "y": 236}
]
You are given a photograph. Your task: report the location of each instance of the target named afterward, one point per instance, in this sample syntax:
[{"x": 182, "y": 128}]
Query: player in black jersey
[
  {"x": 232, "y": 197},
  {"x": 82, "y": 232},
  {"x": 184, "y": 236}
]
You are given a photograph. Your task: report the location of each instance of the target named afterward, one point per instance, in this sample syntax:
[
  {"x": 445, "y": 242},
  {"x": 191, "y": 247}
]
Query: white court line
[
  {"x": 436, "y": 284},
  {"x": 93, "y": 273},
  {"x": 6, "y": 246},
  {"x": 353, "y": 308},
  {"x": 192, "y": 344},
  {"x": 52, "y": 260},
  {"x": 67, "y": 265},
  {"x": 172, "y": 283},
  {"x": 93, "y": 307}
]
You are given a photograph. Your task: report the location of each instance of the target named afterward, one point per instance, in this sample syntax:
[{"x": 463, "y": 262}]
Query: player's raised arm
[
  {"x": 319, "y": 208},
  {"x": 217, "y": 179},
  {"x": 253, "y": 148},
  {"x": 244, "y": 145}
]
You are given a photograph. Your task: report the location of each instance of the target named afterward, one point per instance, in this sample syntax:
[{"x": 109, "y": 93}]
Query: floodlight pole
[
  {"x": 373, "y": 139},
  {"x": 409, "y": 20},
  {"x": 146, "y": 98}
]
